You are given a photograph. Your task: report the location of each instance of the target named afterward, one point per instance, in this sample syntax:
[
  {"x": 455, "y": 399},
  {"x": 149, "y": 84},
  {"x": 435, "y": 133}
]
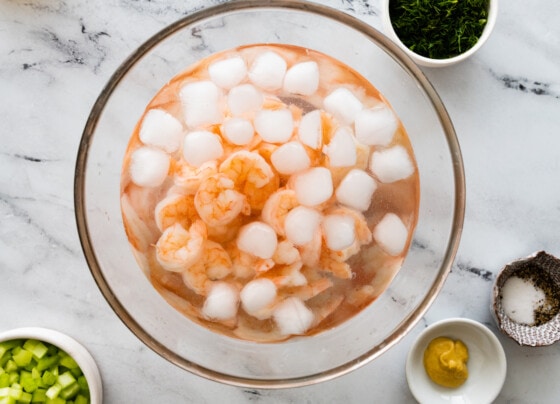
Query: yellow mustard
[{"x": 445, "y": 361}]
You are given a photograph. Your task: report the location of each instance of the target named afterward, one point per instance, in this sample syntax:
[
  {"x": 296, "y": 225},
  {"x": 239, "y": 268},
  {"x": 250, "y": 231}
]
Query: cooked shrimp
[
  {"x": 217, "y": 202},
  {"x": 287, "y": 275},
  {"x": 245, "y": 265},
  {"x": 252, "y": 176},
  {"x": 175, "y": 208},
  {"x": 189, "y": 178},
  {"x": 178, "y": 249},
  {"x": 306, "y": 292},
  {"x": 286, "y": 253},
  {"x": 363, "y": 233},
  {"x": 311, "y": 252},
  {"x": 214, "y": 264},
  {"x": 329, "y": 263},
  {"x": 277, "y": 206}
]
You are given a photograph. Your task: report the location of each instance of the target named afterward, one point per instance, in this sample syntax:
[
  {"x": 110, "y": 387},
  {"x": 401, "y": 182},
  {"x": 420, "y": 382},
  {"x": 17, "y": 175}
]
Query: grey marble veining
[{"x": 56, "y": 56}]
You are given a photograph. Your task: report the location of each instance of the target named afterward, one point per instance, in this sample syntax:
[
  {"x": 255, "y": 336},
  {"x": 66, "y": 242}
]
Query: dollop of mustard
[{"x": 445, "y": 361}]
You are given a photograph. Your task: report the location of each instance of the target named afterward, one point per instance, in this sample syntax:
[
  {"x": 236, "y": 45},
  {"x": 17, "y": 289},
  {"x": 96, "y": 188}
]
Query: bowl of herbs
[{"x": 439, "y": 33}]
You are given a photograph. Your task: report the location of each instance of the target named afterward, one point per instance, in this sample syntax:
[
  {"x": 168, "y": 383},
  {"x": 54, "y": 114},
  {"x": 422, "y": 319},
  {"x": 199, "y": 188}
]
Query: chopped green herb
[
  {"x": 439, "y": 29},
  {"x": 32, "y": 371}
]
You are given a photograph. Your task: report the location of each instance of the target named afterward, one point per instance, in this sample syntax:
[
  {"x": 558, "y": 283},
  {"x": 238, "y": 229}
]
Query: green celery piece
[
  {"x": 81, "y": 399},
  {"x": 47, "y": 362},
  {"x": 7, "y": 400},
  {"x": 35, "y": 373},
  {"x": 4, "y": 391},
  {"x": 68, "y": 362},
  {"x": 39, "y": 396},
  {"x": 25, "y": 398},
  {"x": 27, "y": 381},
  {"x": 4, "y": 379},
  {"x": 70, "y": 392},
  {"x": 22, "y": 358},
  {"x": 14, "y": 377},
  {"x": 83, "y": 385},
  {"x": 77, "y": 372},
  {"x": 7, "y": 356},
  {"x": 48, "y": 378},
  {"x": 56, "y": 400},
  {"x": 54, "y": 391},
  {"x": 66, "y": 379},
  {"x": 37, "y": 348},
  {"x": 5, "y": 346},
  {"x": 11, "y": 366},
  {"x": 14, "y": 392}
]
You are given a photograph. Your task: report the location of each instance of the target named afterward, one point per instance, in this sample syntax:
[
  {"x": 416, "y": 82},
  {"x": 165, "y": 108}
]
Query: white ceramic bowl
[
  {"x": 72, "y": 347},
  {"x": 486, "y": 364},
  {"x": 428, "y": 62}
]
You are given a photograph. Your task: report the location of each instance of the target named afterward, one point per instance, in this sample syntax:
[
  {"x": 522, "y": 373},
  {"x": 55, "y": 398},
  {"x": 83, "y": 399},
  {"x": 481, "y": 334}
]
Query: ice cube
[
  {"x": 149, "y": 166},
  {"x": 301, "y": 224},
  {"x": 201, "y": 146},
  {"x": 290, "y": 158},
  {"x": 222, "y": 302},
  {"x": 161, "y": 129},
  {"x": 342, "y": 148},
  {"x": 258, "y": 295},
  {"x": 201, "y": 101},
  {"x": 391, "y": 234},
  {"x": 391, "y": 164},
  {"x": 302, "y": 78},
  {"x": 244, "y": 99},
  {"x": 257, "y": 238},
  {"x": 292, "y": 316},
  {"x": 376, "y": 126},
  {"x": 313, "y": 186},
  {"x": 343, "y": 105},
  {"x": 310, "y": 131},
  {"x": 229, "y": 72},
  {"x": 267, "y": 71},
  {"x": 356, "y": 189},
  {"x": 238, "y": 131},
  {"x": 274, "y": 126},
  {"x": 339, "y": 231}
]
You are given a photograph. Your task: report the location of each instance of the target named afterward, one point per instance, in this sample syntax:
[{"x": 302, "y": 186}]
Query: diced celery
[
  {"x": 11, "y": 366},
  {"x": 70, "y": 391},
  {"x": 77, "y": 372},
  {"x": 22, "y": 358},
  {"x": 25, "y": 398},
  {"x": 66, "y": 379},
  {"x": 48, "y": 378},
  {"x": 81, "y": 399},
  {"x": 4, "y": 379},
  {"x": 37, "y": 348},
  {"x": 54, "y": 391},
  {"x": 14, "y": 377},
  {"x": 35, "y": 374},
  {"x": 83, "y": 385},
  {"x": 4, "y": 391},
  {"x": 5, "y": 346},
  {"x": 47, "y": 362},
  {"x": 39, "y": 396},
  {"x": 7, "y": 400},
  {"x": 68, "y": 362}
]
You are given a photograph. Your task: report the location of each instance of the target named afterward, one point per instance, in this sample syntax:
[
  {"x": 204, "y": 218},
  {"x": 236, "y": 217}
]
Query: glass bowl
[{"x": 298, "y": 361}]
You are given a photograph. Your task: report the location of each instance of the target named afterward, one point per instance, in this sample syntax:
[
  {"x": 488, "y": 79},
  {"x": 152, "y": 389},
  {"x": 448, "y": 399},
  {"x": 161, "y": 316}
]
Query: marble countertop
[{"x": 55, "y": 56}]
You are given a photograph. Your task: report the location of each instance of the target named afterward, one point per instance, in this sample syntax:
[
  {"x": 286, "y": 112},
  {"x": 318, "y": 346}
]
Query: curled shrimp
[
  {"x": 175, "y": 208},
  {"x": 311, "y": 252},
  {"x": 252, "y": 176},
  {"x": 286, "y": 253},
  {"x": 214, "y": 264},
  {"x": 277, "y": 206},
  {"x": 188, "y": 178},
  {"x": 363, "y": 233},
  {"x": 217, "y": 202},
  {"x": 178, "y": 249},
  {"x": 246, "y": 265}
]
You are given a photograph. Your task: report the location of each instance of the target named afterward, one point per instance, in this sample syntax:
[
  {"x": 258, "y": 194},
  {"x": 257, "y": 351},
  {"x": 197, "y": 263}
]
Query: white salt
[
  {"x": 343, "y": 104},
  {"x": 201, "y": 101},
  {"x": 391, "y": 164},
  {"x": 200, "y": 147},
  {"x": 238, "y": 131},
  {"x": 356, "y": 190},
  {"x": 520, "y": 299},
  {"x": 310, "y": 130},
  {"x": 302, "y": 78},
  {"x": 342, "y": 149},
  {"x": 375, "y": 126},
  {"x": 149, "y": 166},
  {"x": 290, "y": 158},
  {"x": 244, "y": 100},
  {"x": 228, "y": 72},
  {"x": 292, "y": 316},
  {"x": 268, "y": 70},
  {"x": 222, "y": 302},
  {"x": 339, "y": 231},
  {"x": 258, "y": 239},
  {"x": 301, "y": 224},
  {"x": 257, "y": 295},
  {"x": 313, "y": 186},
  {"x": 161, "y": 129},
  {"x": 274, "y": 126},
  {"x": 391, "y": 234}
]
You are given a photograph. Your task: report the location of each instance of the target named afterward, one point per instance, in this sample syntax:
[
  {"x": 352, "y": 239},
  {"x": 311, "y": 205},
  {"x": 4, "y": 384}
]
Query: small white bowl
[
  {"x": 72, "y": 347},
  {"x": 428, "y": 62},
  {"x": 486, "y": 364}
]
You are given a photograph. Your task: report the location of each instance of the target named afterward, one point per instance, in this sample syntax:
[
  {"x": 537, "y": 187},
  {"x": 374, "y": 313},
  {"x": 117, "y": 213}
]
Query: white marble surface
[{"x": 56, "y": 55}]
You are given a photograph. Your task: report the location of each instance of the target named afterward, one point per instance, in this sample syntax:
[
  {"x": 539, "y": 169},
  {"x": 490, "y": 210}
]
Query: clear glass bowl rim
[{"x": 402, "y": 59}]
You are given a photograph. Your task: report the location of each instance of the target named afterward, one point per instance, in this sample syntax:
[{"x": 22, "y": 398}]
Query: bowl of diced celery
[{"x": 40, "y": 365}]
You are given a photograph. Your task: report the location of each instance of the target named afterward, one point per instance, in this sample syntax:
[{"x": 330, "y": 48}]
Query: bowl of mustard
[{"x": 456, "y": 360}]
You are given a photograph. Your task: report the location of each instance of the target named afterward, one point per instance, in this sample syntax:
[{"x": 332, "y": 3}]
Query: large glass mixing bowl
[{"x": 298, "y": 361}]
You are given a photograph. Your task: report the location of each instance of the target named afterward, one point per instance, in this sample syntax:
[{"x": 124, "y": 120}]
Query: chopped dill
[{"x": 439, "y": 29}]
